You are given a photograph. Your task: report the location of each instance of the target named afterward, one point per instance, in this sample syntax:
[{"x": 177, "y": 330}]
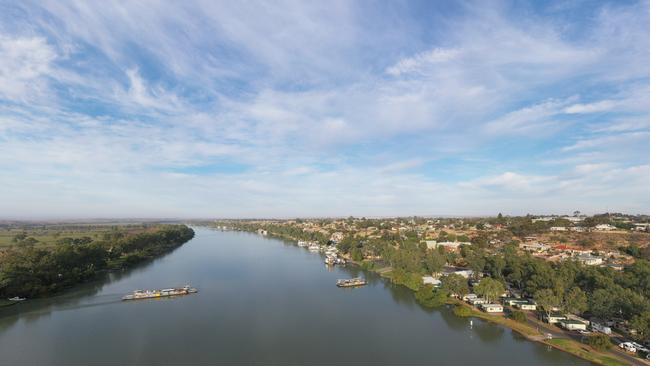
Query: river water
[{"x": 260, "y": 302}]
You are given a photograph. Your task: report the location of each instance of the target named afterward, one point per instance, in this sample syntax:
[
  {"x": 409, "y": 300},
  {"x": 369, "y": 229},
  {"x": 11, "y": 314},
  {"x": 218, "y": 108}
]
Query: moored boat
[
  {"x": 16, "y": 298},
  {"x": 152, "y": 294},
  {"x": 352, "y": 282}
]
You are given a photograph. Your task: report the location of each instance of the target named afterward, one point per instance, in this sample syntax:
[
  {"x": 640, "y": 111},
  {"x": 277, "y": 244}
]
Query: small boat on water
[
  {"x": 16, "y": 298},
  {"x": 152, "y": 294},
  {"x": 352, "y": 282}
]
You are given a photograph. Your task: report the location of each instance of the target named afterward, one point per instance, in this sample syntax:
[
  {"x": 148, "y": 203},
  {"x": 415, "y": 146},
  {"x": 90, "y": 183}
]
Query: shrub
[
  {"x": 430, "y": 297},
  {"x": 462, "y": 311},
  {"x": 519, "y": 316},
  {"x": 600, "y": 342}
]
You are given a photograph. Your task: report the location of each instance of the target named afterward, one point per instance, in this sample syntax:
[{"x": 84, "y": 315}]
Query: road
[{"x": 560, "y": 333}]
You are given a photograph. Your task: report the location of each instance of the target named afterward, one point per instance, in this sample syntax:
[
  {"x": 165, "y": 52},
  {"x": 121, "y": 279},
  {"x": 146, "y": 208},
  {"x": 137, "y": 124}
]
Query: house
[
  {"x": 522, "y": 304},
  {"x": 558, "y": 228},
  {"x": 469, "y": 297},
  {"x": 477, "y": 301},
  {"x": 553, "y": 318},
  {"x": 578, "y": 229},
  {"x": 429, "y": 280},
  {"x": 492, "y": 308},
  {"x": 511, "y": 301},
  {"x": 589, "y": 260},
  {"x": 534, "y": 247},
  {"x": 570, "y": 324},
  {"x": 466, "y": 273},
  {"x": 526, "y": 305},
  {"x": 605, "y": 227},
  {"x": 448, "y": 245}
]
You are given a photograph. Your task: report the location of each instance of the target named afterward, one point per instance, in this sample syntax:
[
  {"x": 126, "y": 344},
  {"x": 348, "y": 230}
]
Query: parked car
[
  {"x": 627, "y": 346},
  {"x": 640, "y": 348},
  {"x": 584, "y": 332}
]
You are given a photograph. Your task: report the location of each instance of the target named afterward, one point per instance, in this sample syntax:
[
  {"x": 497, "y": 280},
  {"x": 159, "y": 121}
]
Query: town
[{"x": 558, "y": 279}]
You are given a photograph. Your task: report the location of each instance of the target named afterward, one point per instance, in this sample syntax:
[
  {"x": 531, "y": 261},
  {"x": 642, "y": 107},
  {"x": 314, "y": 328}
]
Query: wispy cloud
[{"x": 222, "y": 108}]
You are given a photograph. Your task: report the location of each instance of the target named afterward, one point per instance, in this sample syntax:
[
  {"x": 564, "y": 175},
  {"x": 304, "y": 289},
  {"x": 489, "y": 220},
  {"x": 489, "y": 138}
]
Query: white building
[
  {"x": 429, "y": 280},
  {"x": 558, "y": 228},
  {"x": 492, "y": 308},
  {"x": 589, "y": 260},
  {"x": 605, "y": 227},
  {"x": 570, "y": 324}
]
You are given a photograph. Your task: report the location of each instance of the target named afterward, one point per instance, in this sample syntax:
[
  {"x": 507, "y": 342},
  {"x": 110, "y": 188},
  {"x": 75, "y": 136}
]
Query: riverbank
[
  {"x": 526, "y": 330},
  {"x": 35, "y": 272}
]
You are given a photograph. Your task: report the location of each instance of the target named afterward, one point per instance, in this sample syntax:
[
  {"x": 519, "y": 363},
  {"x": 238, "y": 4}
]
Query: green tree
[
  {"x": 434, "y": 261},
  {"x": 575, "y": 301},
  {"x": 455, "y": 284},
  {"x": 430, "y": 297},
  {"x": 490, "y": 289},
  {"x": 547, "y": 299},
  {"x": 641, "y": 323}
]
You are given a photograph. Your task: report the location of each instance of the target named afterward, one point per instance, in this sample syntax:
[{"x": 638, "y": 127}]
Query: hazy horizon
[{"x": 294, "y": 109}]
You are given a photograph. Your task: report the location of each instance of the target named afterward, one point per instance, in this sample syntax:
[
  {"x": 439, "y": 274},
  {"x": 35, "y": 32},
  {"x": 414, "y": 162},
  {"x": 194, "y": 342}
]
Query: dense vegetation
[{"x": 28, "y": 270}]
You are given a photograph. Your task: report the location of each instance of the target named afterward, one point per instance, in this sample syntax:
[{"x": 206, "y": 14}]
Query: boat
[
  {"x": 314, "y": 248},
  {"x": 152, "y": 294},
  {"x": 352, "y": 282},
  {"x": 17, "y": 298}
]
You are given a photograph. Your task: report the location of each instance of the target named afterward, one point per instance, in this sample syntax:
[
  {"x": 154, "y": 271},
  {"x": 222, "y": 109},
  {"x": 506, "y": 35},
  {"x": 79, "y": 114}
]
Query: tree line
[{"x": 30, "y": 271}]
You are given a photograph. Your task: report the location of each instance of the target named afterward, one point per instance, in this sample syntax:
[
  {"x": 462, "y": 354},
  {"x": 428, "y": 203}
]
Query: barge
[
  {"x": 152, "y": 294},
  {"x": 352, "y": 282}
]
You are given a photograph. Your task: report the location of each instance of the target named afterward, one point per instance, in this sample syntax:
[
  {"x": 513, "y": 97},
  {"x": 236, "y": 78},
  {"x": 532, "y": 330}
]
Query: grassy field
[{"x": 585, "y": 352}]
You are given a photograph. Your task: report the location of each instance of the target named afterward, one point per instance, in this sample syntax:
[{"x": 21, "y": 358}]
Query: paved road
[{"x": 560, "y": 333}]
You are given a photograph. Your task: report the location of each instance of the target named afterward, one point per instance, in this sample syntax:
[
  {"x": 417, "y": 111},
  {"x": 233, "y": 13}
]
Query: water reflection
[{"x": 260, "y": 301}]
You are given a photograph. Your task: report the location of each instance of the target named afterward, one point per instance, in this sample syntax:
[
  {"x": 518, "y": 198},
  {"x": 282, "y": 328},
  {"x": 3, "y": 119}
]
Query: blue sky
[{"x": 337, "y": 108}]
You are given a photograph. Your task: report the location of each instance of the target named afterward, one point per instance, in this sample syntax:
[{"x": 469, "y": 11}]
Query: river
[{"x": 261, "y": 302}]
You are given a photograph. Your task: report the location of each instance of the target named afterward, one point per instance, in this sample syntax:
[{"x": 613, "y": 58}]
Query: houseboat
[
  {"x": 152, "y": 294},
  {"x": 352, "y": 282}
]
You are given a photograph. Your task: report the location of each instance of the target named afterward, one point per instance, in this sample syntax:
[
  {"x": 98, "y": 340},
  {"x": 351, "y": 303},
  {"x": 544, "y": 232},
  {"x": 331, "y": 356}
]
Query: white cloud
[
  {"x": 601, "y": 106},
  {"x": 24, "y": 64},
  {"x": 422, "y": 60}
]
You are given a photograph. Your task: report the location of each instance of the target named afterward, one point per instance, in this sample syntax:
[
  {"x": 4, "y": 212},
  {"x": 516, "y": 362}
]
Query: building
[
  {"x": 558, "y": 228},
  {"x": 589, "y": 260},
  {"x": 522, "y": 304},
  {"x": 527, "y": 305},
  {"x": 429, "y": 280},
  {"x": 534, "y": 247},
  {"x": 469, "y": 297},
  {"x": 570, "y": 324},
  {"x": 553, "y": 318},
  {"x": 492, "y": 308},
  {"x": 477, "y": 301},
  {"x": 605, "y": 227},
  {"x": 465, "y": 273},
  {"x": 448, "y": 245}
]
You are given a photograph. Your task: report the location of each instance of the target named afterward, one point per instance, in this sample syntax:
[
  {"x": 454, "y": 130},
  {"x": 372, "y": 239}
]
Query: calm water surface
[{"x": 261, "y": 302}]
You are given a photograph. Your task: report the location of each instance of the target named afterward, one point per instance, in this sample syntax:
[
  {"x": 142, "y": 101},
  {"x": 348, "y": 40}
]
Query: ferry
[
  {"x": 353, "y": 282},
  {"x": 152, "y": 294}
]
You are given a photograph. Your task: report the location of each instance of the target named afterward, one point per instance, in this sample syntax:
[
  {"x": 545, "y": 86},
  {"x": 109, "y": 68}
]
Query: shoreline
[{"x": 567, "y": 345}]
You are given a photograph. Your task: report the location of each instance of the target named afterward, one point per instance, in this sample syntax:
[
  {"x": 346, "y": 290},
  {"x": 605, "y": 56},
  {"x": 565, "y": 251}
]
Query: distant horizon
[
  {"x": 158, "y": 219},
  {"x": 304, "y": 109}
]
